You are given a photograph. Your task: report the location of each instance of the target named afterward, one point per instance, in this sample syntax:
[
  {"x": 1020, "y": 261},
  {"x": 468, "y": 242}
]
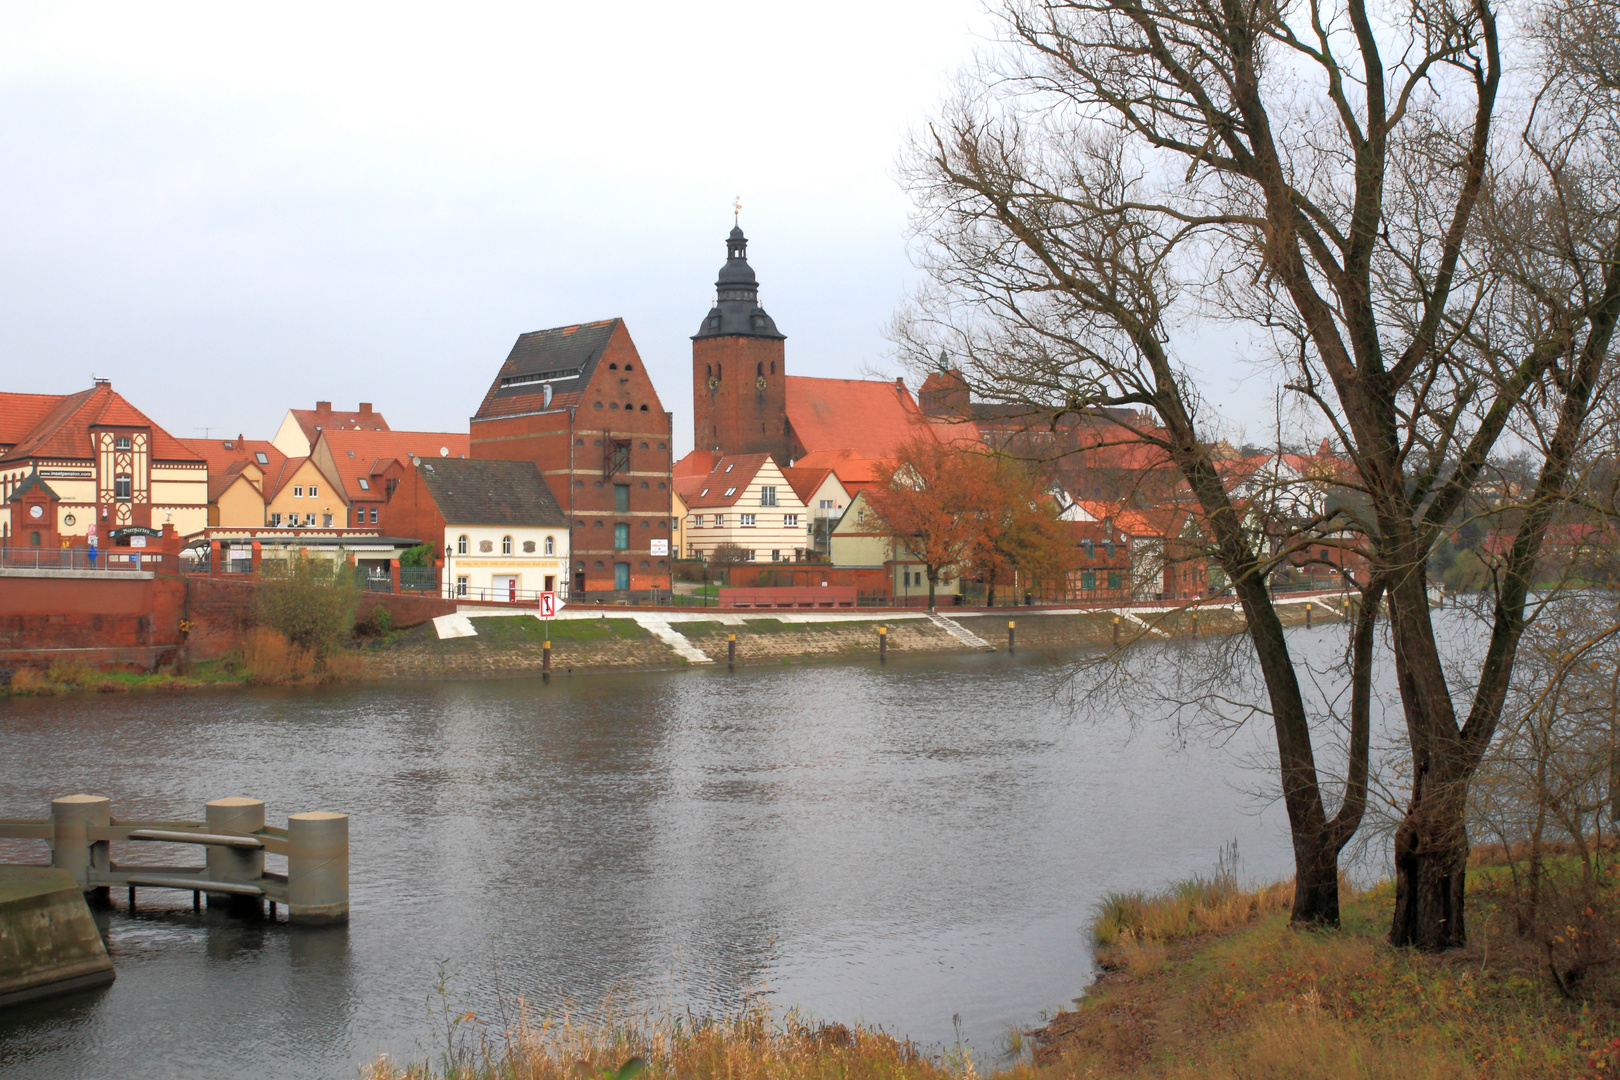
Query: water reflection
[{"x": 895, "y": 846}]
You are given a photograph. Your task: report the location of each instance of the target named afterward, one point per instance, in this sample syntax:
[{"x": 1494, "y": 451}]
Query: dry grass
[
  {"x": 750, "y": 1046},
  {"x": 1198, "y": 905},
  {"x": 272, "y": 660}
]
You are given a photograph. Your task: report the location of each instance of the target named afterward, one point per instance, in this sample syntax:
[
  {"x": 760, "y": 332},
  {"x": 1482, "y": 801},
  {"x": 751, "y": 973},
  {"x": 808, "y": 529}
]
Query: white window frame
[
  {"x": 750, "y": 555},
  {"x": 298, "y": 491},
  {"x": 790, "y": 521},
  {"x": 506, "y": 545},
  {"x": 314, "y": 492},
  {"x": 748, "y": 521},
  {"x": 767, "y": 495},
  {"x": 461, "y": 544},
  {"x": 461, "y": 584},
  {"x": 551, "y": 545}
]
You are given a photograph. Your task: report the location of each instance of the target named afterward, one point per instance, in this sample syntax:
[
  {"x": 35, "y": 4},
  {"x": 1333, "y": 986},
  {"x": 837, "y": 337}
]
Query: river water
[{"x": 917, "y": 847}]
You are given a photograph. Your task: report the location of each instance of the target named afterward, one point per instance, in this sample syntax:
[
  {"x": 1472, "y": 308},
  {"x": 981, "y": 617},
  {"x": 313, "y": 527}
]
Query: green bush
[
  {"x": 421, "y": 555},
  {"x": 310, "y": 602}
]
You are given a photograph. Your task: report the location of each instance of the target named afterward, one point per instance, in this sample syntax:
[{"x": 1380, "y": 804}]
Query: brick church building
[
  {"x": 744, "y": 401},
  {"x": 577, "y": 401}
]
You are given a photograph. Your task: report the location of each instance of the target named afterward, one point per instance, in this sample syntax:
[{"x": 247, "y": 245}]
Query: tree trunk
[
  {"x": 933, "y": 579},
  {"x": 1431, "y": 861},
  {"x": 1316, "y": 882}
]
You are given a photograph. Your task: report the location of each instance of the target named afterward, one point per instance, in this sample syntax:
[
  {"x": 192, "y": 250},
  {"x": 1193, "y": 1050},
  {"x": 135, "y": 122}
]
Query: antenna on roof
[{"x": 204, "y": 430}]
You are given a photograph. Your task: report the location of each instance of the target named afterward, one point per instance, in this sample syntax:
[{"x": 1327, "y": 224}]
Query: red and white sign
[
  {"x": 91, "y": 534},
  {"x": 660, "y": 547},
  {"x": 550, "y": 605}
]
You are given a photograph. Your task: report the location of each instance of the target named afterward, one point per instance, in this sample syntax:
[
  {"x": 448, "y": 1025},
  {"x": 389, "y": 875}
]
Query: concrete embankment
[
  {"x": 497, "y": 644},
  {"x": 48, "y": 941}
]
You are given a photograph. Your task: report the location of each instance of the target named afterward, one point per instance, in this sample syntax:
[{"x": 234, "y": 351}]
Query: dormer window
[
  {"x": 733, "y": 465},
  {"x": 122, "y": 442},
  {"x": 730, "y": 491},
  {"x": 262, "y": 458}
]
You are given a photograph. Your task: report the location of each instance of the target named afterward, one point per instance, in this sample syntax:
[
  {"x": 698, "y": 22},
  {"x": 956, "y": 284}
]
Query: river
[{"x": 917, "y": 847}]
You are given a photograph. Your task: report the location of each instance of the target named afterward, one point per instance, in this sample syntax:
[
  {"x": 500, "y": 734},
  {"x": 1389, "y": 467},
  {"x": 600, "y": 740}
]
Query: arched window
[
  {"x": 773, "y": 367},
  {"x": 35, "y": 540},
  {"x": 759, "y": 369},
  {"x": 613, "y": 367},
  {"x": 598, "y": 404},
  {"x": 506, "y": 545},
  {"x": 644, "y": 408},
  {"x": 461, "y": 544},
  {"x": 629, "y": 367},
  {"x": 551, "y": 546}
]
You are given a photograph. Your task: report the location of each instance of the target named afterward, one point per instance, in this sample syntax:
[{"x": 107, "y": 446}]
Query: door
[
  {"x": 621, "y": 575},
  {"x": 506, "y": 587},
  {"x": 551, "y": 583}
]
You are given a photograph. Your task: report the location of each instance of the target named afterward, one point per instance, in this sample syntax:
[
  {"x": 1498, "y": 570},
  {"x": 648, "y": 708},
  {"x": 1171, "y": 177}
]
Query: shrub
[
  {"x": 421, "y": 555},
  {"x": 32, "y": 681},
  {"x": 311, "y": 603},
  {"x": 271, "y": 659}
]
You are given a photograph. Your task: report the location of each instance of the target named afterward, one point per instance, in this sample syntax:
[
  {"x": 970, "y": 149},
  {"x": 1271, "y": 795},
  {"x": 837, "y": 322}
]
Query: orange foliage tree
[{"x": 1019, "y": 533}]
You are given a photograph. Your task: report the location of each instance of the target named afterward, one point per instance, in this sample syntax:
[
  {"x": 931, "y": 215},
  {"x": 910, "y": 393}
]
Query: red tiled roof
[
  {"x": 228, "y": 455},
  {"x": 280, "y": 478},
  {"x": 314, "y": 421},
  {"x": 696, "y": 463},
  {"x": 853, "y": 470},
  {"x": 805, "y": 481},
  {"x": 366, "y": 453},
  {"x": 63, "y": 430},
  {"x": 21, "y": 413},
  {"x": 875, "y": 419},
  {"x": 731, "y": 474},
  {"x": 1159, "y": 522}
]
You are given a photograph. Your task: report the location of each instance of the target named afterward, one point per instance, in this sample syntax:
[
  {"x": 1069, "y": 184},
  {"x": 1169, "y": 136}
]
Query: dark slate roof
[
  {"x": 563, "y": 357},
  {"x": 472, "y": 492},
  {"x": 30, "y": 482},
  {"x": 736, "y": 310}
]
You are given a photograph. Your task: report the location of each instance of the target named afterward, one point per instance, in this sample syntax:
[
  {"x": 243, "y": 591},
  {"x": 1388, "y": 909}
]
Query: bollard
[
  {"x": 235, "y": 817},
  {"x": 1195, "y": 624},
  {"x": 1012, "y": 639},
  {"x": 545, "y": 660},
  {"x": 883, "y": 644},
  {"x": 1116, "y": 629},
  {"x": 731, "y": 652},
  {"x": 318, "y": 868},
  {"x": 1308, "y": 615},
  {"x": 71, "y": 848}
]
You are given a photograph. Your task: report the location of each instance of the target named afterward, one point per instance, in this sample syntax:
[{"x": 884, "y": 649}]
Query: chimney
[
  {"x": 365, "y": 408},
  {"x": 323, "y": 408}
]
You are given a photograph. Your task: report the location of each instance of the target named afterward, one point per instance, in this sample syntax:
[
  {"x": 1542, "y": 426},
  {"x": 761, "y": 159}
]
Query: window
[
  {"x": 551, "y": 546},
  {"x": 660, "y": 446},
  {"x": 719, "y": 520},
  {"x": 748, "y": 521},
  {"x": 35, "y": 540},
  {"x": 704, "y": 493},
  {"x": 621, "y": 575},
  {"x": 298, "y": 491},
  {"x": 790, "y": 521},
  {"x": 826, "y": 504},
  {"x": 122, "y": 443},
  {"x": 1088, "y": 580},
  {"x": 1113, "y": 580},
  {"x": 261, "y": 457},
  {"x": 309, "y": 521},
  {"x": 697, "y": 521},
  {"x": 621, "y": 498},
  {"x": 313, "y": 491},
  {"x": 730, "y": 491},
  {"x": 506, "y": 545},
  {"x": 461, "y": 544},
  {"x": 374, "y": 515},
  {"x": 461, "y": 585},
  {"x": 644, "y": 446},
  {"x": 621, "y": 537},
  {"x": 598, "y": 405},
  {"x": 776, "y": 556},
  {"x": 365, "y": 485},
  {"x": 275, "y": 521},
  {"x": 767, "y": 496},
  {"x": 644, "y": 485},
  {"x": 748, "y": 556},
  {"x": 121, "y": 486}
]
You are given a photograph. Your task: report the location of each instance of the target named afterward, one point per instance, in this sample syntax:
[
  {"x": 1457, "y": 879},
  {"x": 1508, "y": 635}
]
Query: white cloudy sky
[{"x": 231, "y": 210}]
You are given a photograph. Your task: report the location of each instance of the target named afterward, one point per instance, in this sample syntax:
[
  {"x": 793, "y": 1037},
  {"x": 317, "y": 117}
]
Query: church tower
[{"x": 739, "y": 370}]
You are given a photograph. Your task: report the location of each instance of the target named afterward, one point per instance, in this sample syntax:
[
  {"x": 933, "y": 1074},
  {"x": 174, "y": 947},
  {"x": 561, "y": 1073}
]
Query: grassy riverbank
[{"x": 1204, "y": 980}]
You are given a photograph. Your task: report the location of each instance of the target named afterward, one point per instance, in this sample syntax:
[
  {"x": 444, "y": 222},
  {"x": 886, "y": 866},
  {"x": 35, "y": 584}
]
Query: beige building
[
  {"x": 237, "y": 474},
  {"x": 859, "y": 540},
  {"x": 747, "y": 501},
  {"x": 301, "y": 427},
  {"x": 111, "y": 467},
  {"x": 301, "y": 496}
]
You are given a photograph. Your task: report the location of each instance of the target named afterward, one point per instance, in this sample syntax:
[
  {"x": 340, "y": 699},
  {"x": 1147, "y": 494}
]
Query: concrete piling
[
  {"x": 1308, "y": 608},
  {"x": 545, "y": 660},
  {"x": 234, "y": 817},
  {"x": 71, "y": 849},
  {"x": 318, "y": 868},
  {"x": 731, "y": 652},
  {"x": 1012, "y": 636},
  {"x": 1116, "y": 629}
]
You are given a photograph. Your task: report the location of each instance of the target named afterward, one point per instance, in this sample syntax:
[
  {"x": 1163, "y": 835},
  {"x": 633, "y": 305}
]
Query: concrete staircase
[
  {"x": 960, "y": 633},
  {"x": 659, "y": 627}
]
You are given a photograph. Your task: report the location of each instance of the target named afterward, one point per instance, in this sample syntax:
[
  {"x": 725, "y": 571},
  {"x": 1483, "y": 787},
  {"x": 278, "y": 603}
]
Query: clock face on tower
[
  {"x": 713, "y": 382},
  {"x": 760, "y": 382},
  {"x": 36, "y": 511}
]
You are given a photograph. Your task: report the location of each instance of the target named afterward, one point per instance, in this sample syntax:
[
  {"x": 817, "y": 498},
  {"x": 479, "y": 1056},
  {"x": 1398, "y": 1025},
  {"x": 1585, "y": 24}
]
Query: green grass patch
[{"x": 525, "y": 629}]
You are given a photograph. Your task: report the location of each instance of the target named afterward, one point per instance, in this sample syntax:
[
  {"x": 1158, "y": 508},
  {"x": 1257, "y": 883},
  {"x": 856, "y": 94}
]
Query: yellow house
[
  {"x": 859, "y": 540},
  {"x": 747, "y": 501},
  {"x": 301, "y": 496},
  {"x": 236, "y": 479}
]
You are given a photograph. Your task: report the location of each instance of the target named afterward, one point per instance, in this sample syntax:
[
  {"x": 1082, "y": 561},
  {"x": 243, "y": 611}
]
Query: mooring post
[
  {"x": 731, "y": 652},
  {"x": 235, "y": 817},
  {"x": 545, "y": 660},
  {"x": 1195, "y": 624},
  {"x": 883, "y": 644},
  {"x": 1308, "y": 606},
  {"x": 1012, "y": 636},
  {"x": 71, "y": 848},
  {"x": 132, "y": 898},
  {"x": 318, "y": 868},
  {"x": 1116, "y": 629}
]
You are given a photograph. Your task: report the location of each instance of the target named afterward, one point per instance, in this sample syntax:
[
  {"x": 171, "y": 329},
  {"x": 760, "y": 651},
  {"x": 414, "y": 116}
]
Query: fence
[
  {"x": 79, "y": 558},
  {"x": 81, "y": 831}
]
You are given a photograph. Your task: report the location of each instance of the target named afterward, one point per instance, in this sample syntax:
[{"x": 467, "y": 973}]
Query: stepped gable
[
  {"x": 480, "y": 492},
  {"x": 563, "y": 358}
]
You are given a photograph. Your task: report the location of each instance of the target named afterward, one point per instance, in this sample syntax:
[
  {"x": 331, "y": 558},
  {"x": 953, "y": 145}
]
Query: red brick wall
[
  {"x": 868, "y": 579},
  {"x": 735, "y": 414},
  {"x": 568, "y": 447},
  {"x": 413, "y": 513}
]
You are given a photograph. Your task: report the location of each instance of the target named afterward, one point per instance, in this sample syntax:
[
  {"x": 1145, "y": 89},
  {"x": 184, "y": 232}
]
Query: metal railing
[{"x": 79, "y": 558}]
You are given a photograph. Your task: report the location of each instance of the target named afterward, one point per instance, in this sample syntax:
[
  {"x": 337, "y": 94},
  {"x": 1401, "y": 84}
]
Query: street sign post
[{"x": 549, "y": 606}]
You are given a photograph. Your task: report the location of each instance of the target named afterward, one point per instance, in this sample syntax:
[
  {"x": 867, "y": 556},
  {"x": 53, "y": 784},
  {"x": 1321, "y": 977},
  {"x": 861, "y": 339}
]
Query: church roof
[
  {"x": 736, "y": 311},
  {"x": 563, "y": 358},
  {"x": 478, "y": 492},
  {"x": 60, "y": 425},
  {"x": 874, "y": 419}
]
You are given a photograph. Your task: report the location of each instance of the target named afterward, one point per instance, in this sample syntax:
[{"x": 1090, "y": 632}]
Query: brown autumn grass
[
  {"x": 272, "y": 660},
  {"x": 1208, "y": 984}
]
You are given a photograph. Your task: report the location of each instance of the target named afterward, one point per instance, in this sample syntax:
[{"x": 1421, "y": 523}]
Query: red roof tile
[
  {"x": 63, "y": 431},
  {"x": 359, "y": 454},
  {"x": 228, "y": 455},
  {"x": 853, "y": 471},
  {"x": 875, "y": 419},
  {"x": 315, "y": 421},
  {"x": 805, "y": 481},
  {"x": 731, "y": 474},
  {"x": 696, "y": 463}
]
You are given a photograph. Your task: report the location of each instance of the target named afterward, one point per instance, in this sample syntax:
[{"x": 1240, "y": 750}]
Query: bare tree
[{"x": 1434, "y": 272}]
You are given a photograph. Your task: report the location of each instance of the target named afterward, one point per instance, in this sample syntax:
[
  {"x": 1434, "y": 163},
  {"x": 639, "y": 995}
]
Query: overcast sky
[{"x": 233, "y": 211}]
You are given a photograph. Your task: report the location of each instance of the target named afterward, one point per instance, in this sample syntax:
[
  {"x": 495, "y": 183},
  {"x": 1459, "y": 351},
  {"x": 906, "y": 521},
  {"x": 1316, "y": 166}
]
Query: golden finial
[{"x": 736, "y": 207}]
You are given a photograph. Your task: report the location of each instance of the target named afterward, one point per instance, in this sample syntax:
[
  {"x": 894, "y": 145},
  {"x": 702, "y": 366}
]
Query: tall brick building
[
  {"x": 577, "y": 401},
  {"x": 739, "y": 372}
]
